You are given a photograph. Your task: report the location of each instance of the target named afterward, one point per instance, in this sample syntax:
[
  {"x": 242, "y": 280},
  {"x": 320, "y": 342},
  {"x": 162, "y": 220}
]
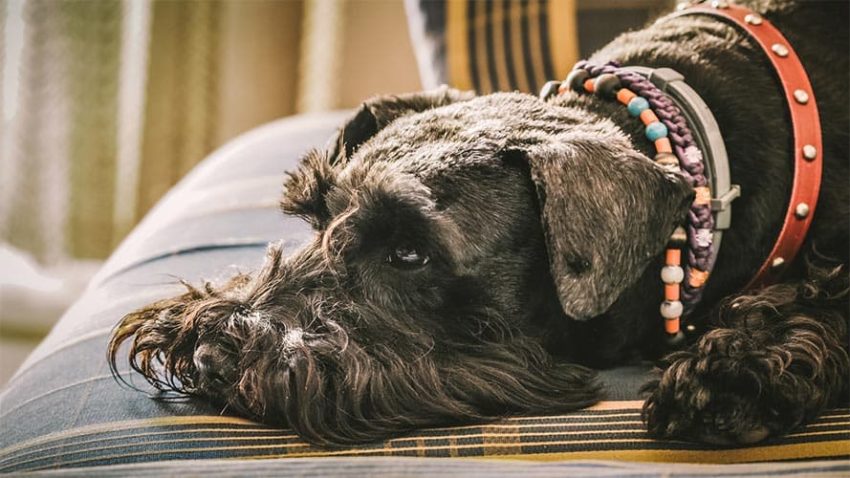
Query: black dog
[{"x": 428, "y": 298}]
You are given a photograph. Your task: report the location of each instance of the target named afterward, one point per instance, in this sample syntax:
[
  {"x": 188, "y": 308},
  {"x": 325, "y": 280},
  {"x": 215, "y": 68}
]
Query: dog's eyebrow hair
[{"x": 328, "y": 233}]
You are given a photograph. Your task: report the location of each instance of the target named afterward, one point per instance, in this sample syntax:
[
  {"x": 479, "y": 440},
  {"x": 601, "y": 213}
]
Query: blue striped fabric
[{"x": 412, "y": 467}]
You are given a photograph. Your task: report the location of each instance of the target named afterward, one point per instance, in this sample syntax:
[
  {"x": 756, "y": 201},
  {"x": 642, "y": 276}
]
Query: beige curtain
[
  {"x": 181, "y": 98},
  {"x": 55, "y": 108},
  {"x": 107, "y": 103}
]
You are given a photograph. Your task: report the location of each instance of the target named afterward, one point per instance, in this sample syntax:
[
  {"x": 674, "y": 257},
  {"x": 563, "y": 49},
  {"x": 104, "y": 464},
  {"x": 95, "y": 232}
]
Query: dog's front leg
[{"x": 776, "y": 359}]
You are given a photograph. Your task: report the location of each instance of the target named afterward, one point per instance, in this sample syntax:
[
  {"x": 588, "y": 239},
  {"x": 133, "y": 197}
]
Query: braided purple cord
[{"x": 700, "y": 254}]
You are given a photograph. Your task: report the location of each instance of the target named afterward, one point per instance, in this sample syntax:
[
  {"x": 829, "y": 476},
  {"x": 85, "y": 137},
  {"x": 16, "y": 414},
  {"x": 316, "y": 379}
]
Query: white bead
[
  {"x": 703, "y": 237},
  {"x": 693, "y": 154},
  {"x": 671, "y": 309},
  {"x": 672, "y": 274}
]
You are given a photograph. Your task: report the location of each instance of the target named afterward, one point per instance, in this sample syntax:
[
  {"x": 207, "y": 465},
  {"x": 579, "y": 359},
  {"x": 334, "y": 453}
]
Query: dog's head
[{"x": 446, "y": 224}]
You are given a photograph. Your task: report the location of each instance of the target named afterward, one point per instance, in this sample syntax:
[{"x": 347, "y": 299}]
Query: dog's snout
[{"x": 212, "y": 365}]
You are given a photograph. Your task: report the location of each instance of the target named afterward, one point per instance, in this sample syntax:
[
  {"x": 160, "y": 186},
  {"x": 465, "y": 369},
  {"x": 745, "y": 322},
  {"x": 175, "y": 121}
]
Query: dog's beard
[{"x": 240, "y": 346}]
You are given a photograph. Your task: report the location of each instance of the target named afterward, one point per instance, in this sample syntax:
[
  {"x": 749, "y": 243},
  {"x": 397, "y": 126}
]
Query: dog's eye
[{"x": 406, "y": 257}]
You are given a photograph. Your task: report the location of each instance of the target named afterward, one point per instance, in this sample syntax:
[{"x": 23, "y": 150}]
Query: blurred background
[{"x": 107, "y": 103}]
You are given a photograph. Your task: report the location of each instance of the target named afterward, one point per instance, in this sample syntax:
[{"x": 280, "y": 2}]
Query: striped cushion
[
  {"x": 458, "y": 467},
  {"x": 63, "y": 409},
  {"x": 610, "y": 430},
  {"x": 506, "y": 45},
  {"x": 494, "y": 46}
]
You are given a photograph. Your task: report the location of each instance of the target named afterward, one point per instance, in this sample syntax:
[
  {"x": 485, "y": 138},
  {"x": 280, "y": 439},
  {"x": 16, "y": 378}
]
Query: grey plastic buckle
[
  {"x": 662, "y": 77},
  {"x": 722, "y": 203},
  {"x": 707, "y": 135}
]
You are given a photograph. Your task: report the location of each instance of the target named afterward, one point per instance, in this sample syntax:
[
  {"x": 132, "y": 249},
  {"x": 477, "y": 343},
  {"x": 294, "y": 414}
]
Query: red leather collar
[{"x": 808, "y": 164}]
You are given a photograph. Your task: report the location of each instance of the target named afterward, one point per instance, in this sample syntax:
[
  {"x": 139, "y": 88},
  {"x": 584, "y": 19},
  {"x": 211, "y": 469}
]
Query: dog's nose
[{"x": 211, "y": 364}]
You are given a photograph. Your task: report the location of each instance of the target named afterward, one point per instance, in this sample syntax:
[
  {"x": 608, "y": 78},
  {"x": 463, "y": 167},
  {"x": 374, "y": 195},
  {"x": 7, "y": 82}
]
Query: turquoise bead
[
  {"x": 637, "y": 105},
  {"x": 656, "y": 130}
]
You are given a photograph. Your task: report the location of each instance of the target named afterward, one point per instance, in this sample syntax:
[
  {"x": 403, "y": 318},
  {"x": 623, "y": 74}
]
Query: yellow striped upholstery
[
  {"x": 610, "y": 430},
  {"x": 505, "y": 45}
]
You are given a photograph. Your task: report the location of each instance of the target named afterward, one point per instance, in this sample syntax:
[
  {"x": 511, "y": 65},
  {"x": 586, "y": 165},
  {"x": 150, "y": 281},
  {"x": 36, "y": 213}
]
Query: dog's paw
[{"x": 727, "y": 389}]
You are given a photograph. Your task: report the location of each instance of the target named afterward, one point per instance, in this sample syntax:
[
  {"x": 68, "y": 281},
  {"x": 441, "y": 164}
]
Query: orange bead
[
  {"x": 696, "y": 277},
  {"x": 662, "y": 145},
  {"x": 625, "y": 95},
  {"x": 648, "y": 116},
  {"x": 588, "y": 85},
  {"x": 671, "y": 292},
  {"x": 671, "y": 326},
  {"x": 703, "y": 195},
  {"x": 673, "y": 257}
]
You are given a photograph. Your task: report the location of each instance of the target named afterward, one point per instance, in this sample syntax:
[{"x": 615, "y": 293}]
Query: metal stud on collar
[
  {"x": 780, "y": 49},
  {"x": 810, "y": 152},
  {"x": 801, "y": 97},
  {"x": 802, "y": 210},
  {"x": 754, "y": 19}
]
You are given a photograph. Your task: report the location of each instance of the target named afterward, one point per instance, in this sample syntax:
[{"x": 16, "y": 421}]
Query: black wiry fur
[
  {"x": 771, "y": 361},
  {"x": 543, "y": 225}
]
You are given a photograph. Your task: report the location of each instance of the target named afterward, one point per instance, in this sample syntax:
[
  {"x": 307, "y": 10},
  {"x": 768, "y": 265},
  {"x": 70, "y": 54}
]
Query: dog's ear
[
  {"x": 378, "y": 112},
  {"x": 607, "y": 211},
  {"x": 305, "y": 188}
]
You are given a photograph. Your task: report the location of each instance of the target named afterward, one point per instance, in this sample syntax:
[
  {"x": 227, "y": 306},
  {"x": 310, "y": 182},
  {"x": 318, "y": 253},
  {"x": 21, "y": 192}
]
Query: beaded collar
[{"x": 687, "y": 140}]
